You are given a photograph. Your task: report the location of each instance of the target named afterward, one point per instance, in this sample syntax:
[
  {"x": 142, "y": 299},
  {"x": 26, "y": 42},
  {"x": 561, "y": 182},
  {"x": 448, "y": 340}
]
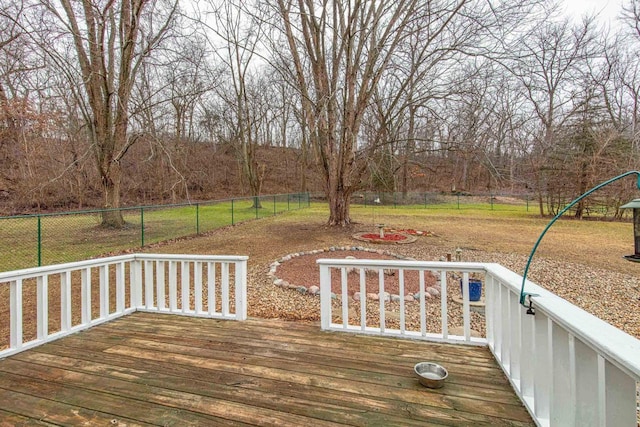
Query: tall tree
[
  {"x": 339, "y": 51},
  {"x": 110, "y": 39}
]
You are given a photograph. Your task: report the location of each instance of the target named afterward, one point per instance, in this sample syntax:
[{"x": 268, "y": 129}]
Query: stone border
[
  {"x": 409, "y": 239},
  {"x": 430, "y": 292}
]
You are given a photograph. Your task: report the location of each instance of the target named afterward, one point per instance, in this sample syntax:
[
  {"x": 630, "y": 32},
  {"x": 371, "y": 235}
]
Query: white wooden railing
[
  {"x": 209, "y": 286},
  {"x": 568, "y": 367}
]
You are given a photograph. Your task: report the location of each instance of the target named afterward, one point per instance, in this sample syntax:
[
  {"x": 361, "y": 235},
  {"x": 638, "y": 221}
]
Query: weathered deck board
[{"x": 170, "y": 370}]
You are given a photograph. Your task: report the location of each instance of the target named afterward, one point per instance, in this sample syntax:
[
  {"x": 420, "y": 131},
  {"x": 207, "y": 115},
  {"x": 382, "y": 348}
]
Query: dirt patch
[{"x": 304, "y": 271}]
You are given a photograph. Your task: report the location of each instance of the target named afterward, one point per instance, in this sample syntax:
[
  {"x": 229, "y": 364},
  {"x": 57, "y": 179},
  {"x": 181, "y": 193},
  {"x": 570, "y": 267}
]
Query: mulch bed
[{"x": 304, "y": 271}]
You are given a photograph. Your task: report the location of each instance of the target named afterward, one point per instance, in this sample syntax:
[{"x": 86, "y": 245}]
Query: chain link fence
[
  {"x": 594, "y": 207},
  {"x": 43, "y": 239}
]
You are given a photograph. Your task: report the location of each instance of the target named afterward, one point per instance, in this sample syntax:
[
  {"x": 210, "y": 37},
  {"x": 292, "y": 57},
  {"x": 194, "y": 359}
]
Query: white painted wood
[
  {"x": 85, "y": 296},
  {"x": 490, "y": 283},
  {"x": 42, "y": 297},
  {"x": 135, "y": 275},
  {"x": 15, "y": 312},
  {"x": 587, "y": 398},
  {"x": 363, "y": 300},
  {"x": 161, "y": 294},
  {"x": 382, "y": 299},
  {"x": 620, "y": 399},
  {"x": 224, "y": 271},
  {"x": 211, "y": 288},
  {"x": 104, "y": 291},
  {"x": 423, "y": 306},
  {"x": 561, "y": 395},
  {"x": 185, "y": 286},
  {"x": 466, "y": 310},
  {"x": 241, "y": 289},
  {"x": 443, "y": 305},
  {"x": 197, "y": 286},
  {"x": 65, "y": 301},
  {"x": 542, "y": 366},
  {"x": 325, "y": 297},
  {"x": 527, "y": 352},
  {"x": 505, "y": 329},
  {"x": 148, "y": 284},
  {"x": 515, "y": 331},
  {"x": 173, "y": 286},
  {"x": 345, "y": 297},
  {"x": 120, "y": 287}
]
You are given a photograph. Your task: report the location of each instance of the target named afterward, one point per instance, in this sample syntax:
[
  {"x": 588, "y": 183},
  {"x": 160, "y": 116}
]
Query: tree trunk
[
  {"x": 339, "y": 208},
  {"x": 112, "y": 215}
]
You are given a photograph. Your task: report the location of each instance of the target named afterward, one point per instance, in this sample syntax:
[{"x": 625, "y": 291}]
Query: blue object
[{"x": 475, "y": 289}]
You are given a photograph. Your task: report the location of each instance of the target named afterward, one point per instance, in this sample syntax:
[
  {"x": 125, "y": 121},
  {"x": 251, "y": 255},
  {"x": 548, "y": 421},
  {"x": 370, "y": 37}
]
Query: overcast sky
[{"x": 607, "y": 9}]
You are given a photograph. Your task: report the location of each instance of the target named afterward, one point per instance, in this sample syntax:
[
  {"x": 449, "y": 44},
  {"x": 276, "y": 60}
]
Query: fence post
[
  {"x": 527, "y": 199},
  {"x": 458, "y": 201},
  {"x": 232, "y": 222},
  {"x": 425, "y": 200},
  {"x": 256, "y": 200},
  {"x": 142, "y": 226},
  {"x": 274, "y": 205},
  {"x": 39, "y": 241},
  {"x": 308, "y": 199},
  {"x": 197, "y": 218},
  {"x": 288, "y": 201},
  {"x": 491, "y": 200}
]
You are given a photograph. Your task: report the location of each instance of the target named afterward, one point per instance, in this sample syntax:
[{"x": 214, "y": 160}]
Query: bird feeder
[{"x": 635, "y": 205}]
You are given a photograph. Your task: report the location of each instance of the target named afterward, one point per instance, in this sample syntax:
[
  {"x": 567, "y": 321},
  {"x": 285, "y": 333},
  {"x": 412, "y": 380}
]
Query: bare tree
[
  {"x": 110, "y": 40},
  {"x": 548, "y": 63},
  {"x": 339, "y": 52}
]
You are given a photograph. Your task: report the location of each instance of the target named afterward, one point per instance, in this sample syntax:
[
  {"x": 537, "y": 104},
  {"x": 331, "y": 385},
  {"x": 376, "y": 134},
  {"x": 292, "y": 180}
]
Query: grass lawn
[{"x": 74, "y": 237}]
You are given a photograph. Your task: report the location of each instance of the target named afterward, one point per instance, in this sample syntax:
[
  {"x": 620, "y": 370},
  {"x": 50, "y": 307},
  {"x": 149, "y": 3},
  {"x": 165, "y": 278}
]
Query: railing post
[
  {"x": 241, "y": 290},
  {"x": 104, "y": 291},
  {"x": 86, "y": 295},
  {"x": 43, "y": 306},
  {"x": 65, "y": 301},
  {"x": 148, "y": 284},
  {"x": 325, "y": 297},
  {"x": 15, "y": 312}
]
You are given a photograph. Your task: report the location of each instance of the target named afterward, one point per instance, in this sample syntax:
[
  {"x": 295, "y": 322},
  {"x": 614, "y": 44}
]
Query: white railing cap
[
  {"x": 395, "y": 263},
  {"x": 61, "y": 268},
  {"x": 186, "y": 257}
]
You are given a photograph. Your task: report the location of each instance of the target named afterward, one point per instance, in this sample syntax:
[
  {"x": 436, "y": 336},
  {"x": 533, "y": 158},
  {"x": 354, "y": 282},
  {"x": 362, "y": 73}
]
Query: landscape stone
[
  {"x": 433, "y": 292},
  {"x": 301, "y": 289},
  {"x": 314, "y": 290}
]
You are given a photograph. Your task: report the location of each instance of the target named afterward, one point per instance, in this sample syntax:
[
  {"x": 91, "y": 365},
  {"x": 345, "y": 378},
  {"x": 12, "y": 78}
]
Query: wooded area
[{"x": 111, "y": 102}]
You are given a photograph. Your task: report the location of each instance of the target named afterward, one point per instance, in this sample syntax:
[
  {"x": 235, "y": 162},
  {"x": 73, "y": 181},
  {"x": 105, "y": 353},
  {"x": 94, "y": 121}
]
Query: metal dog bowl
[{"x": 430, "y": 374}]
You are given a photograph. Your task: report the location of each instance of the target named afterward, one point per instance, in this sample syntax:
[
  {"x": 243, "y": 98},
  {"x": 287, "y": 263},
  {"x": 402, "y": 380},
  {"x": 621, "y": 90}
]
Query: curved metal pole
[{"x": 524, "y": 294}]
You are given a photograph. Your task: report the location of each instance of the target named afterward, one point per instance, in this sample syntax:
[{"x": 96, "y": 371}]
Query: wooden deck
[{"x": 151, "y": 369}]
